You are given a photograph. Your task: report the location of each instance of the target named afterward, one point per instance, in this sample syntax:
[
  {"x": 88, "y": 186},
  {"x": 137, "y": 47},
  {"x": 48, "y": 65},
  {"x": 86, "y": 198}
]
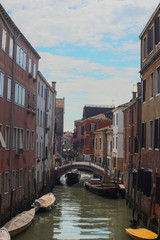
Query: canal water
[{"x": 80, "y": 214}]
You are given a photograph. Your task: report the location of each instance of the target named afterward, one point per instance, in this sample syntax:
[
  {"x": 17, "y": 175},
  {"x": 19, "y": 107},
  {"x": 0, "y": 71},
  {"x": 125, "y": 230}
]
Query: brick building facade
[{"x": 18, "y": 89}]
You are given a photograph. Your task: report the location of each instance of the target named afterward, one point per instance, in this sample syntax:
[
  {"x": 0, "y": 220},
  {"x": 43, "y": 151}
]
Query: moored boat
[
  {"x": 109, "y": 190},
  {"x": 141, "y": 233},
  {"x": 4, "y": 234},
  {"x": 45, "y": 202},
  {"x": 73, "y": 177},
  {"x": 20, "y": 222}
]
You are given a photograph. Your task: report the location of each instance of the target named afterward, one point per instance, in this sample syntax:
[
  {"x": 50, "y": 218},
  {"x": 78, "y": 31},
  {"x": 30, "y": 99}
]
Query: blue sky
[{"x": 91, "y": 48}]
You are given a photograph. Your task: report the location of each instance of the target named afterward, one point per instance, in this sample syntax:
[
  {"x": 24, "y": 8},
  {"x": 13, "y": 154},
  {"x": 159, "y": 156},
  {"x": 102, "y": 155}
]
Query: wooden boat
[
  {"x": 141, "y": 233},
  {"x": 73, "y": 177},
  {"x": 4, "y": 234},
  {"x": 109, "y": 190},
  {"x": 45, "y": 202},
  {"x": 20, "y": 222}
]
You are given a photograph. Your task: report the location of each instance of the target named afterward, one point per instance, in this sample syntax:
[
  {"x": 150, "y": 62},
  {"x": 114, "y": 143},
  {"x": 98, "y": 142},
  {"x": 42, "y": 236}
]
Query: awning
[{"x": 2, "y": 141}]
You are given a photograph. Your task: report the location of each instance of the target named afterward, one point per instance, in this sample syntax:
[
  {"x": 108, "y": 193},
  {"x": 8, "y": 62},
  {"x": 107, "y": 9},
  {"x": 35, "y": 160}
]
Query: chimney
[
  {"x": 54, "y": 86},
  {"x": 133, "y": 95},
  {"x": 139, "y": 88}
]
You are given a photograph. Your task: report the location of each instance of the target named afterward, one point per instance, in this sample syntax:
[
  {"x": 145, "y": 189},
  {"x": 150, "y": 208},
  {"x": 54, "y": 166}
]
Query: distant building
[
  {"x": 103, "y": 146},
  {"x": 18, "y": 89},
  {"x": 84, "y": 134},
  {"x": 132, "y": 135},
  {"x": 92, "y": 110},
  {"x": 117, "y": 150},
  {"x": 46, "y": 105},
  {"x": 68, "y": 140},
  {"x": 59, "y": 123}
]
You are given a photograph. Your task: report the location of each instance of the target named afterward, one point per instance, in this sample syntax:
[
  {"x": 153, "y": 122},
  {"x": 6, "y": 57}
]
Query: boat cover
[
  {"x": 20, "y": 220},
  {"x": 4, "y": 234},
  {"x": 141, "y": 233},
  {"x": 46, "y": 200}
]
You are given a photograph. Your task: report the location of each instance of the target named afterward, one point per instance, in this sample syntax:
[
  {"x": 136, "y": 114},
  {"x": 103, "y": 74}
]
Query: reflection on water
[{"x": 80, "y": 214}]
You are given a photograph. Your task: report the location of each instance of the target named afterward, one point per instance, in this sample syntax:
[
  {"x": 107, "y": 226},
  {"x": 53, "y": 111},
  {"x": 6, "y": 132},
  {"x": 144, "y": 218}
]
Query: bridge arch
[{"x": 79, "y": 165}]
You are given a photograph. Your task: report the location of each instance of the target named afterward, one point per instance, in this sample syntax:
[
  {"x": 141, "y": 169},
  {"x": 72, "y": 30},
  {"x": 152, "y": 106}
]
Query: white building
[
  {"x": 46, "y": 104},
  {"x": 117, "y": 150}
]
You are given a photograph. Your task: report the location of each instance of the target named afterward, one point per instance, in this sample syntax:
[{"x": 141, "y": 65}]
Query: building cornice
[
  {"x": 10, "y": 21},
  {"x": 150, "y": 20}
]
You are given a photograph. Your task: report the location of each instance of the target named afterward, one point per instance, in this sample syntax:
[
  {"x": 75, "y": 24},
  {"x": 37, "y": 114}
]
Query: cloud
[{"x": 89, "y": 22}]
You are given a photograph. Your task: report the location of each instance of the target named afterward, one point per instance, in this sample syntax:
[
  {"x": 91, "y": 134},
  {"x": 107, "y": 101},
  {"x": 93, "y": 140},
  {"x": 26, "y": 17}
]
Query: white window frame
[
  {"x": 9, "y": 86},
  {"x": 1, "y": 83},
  {"x": 30, "y": 65},
  {"x": 7, "y": 136},
  {"x": 151, "y": 85},
  {"x": 4, "y": 39},
  {"x": 157, "y": 81},
  {"x": 14, "y": 179},
  {"x": 19, "y": 95},
  {"x": 151, "y": 135},
  {"x": 6, "y": 182},
  {"x": 11, "y": 47},
  {"x": 27, "y": 139},
  {"x": 20, "y": 179},
  {"x": 32, "y": 140}
]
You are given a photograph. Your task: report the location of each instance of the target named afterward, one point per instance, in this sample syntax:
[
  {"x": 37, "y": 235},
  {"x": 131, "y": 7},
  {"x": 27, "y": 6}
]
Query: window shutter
[
  {"x": 151, "y": 44},
  {"x": 149, "y": 41},
  {"x": 144, "y": 134},
  {"x": 157, "y": 30}
]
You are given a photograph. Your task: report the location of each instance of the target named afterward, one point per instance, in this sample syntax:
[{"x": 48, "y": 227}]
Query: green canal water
[{"x": 80, "y": 214}]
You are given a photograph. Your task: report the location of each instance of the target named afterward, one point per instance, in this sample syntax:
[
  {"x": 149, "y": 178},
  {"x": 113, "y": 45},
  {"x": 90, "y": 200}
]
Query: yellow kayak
[{"x": 141, "y": 233}]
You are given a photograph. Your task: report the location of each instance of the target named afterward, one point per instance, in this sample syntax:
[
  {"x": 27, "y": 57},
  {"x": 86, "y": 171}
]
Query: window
[
  {"x": 96, "y": 144},
  {"x": 28, "y": 99},
  {"x": 113, "y": 119},
  {"x": 24, "y": 60},
  {"x": 33, "y": 101},
  {"x": 150, "y": 39},
  {"x": 111, "y": 146},
  {"x": 27, "y": 140},
  {"x": 18, "y": 54},
  {"x": 41, "y": 118},
  {"x": 143, "y": 140},
  {"x": 11, "y": 47},
  {"x": 158, "y": 80},
  {"x": 9, "y": 89},
  {"x": 135, "y": 145},
  {"x": 117, "y": 119},
  {"x": 91, "y": 142},
  {"x": 157, "y": 30},
  {"x": 7, "y": 137},
  {"x": 1, "y": 83},
  {"x": 116, "y": 142},
  {"x": 19, "y": 94},
  {"x": 151, "y": 85},
  {"x": 150, "y": 134},
  {"x": 129, "y": 144},
  {"x": 42, "y": 91},
  {"x": 6, "y": 182},
  {"x": 38, "y": 87},
  {"x": 29, "y": 65},
  {"x": 0, "y": 184},
  {"x": 157, "y": 133},
  {"x": 13, "y": 179},
  {"x": 144, "y": 90},
  {"x": 34, "y": 70},
  {"x": 20, "y": 177},
  {"x": 4, "y": 38},
  {"x": 92, "y": 127},
  {"x": 32, "y": 140},
  {"x": 37, "y": 117},
  {"x": 14, "y": 138},
  {"x": 100, "y": 144},
  {"x": 144, "y": 48}
]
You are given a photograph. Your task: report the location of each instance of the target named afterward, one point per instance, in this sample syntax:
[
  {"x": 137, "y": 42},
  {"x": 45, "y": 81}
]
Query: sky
[{"x": 90, "y": 48}]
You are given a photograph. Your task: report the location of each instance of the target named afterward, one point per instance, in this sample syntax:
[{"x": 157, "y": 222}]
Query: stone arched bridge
[{"x": 59, "y": 171}]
